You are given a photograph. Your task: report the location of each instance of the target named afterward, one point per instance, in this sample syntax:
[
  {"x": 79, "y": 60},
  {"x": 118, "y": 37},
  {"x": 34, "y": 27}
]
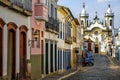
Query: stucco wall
[{"x": 11, "y": 16}]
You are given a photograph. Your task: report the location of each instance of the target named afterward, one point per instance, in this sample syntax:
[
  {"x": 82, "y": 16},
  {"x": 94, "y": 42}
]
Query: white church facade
[{"x": 98, "y": 35}]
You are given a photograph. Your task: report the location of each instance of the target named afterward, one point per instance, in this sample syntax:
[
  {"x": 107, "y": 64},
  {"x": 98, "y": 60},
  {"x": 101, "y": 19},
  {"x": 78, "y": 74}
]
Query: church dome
[
  {"x": 83, "y": 11},
  {"x": 109, "y": 10}
]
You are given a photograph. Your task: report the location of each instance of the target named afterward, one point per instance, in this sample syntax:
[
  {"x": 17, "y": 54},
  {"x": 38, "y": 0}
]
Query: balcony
[
  {"x": 26, "y": 4},
  {"x": 68, "y": 39},
  {"x": 24, "y": 7},
  {"x": 52, "y": 25},
  {"x": 41, "y": 12}
]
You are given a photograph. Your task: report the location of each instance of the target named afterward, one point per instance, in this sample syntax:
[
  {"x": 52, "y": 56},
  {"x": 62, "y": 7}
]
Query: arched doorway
[
  {"x": 23, "y": 55},
  {"x": 11, "y": 56},
  {"x": 23, "y": 52},
  {"x": 11, "y": 59},
  {"x": 1, "y": 50},
  {"x": 2, "y": 23},
  {"x": 96, "y": 49}
]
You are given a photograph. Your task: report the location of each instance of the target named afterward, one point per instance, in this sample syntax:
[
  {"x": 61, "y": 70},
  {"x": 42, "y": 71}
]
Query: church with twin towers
[{"x": 98, "y": 35}]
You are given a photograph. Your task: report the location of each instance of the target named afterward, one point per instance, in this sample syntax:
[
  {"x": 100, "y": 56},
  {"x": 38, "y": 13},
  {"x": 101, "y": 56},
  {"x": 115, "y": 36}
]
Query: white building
[
  {"x": 14, "y": 35},
  {"x": 98, "y": 36},
  {"x": 51, "y": 38}
]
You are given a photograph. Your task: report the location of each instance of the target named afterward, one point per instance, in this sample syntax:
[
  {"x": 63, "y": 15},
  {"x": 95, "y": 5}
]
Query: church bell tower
[
  {"x": 84, "y": 17},
  {"x": 109, "y": 18}
]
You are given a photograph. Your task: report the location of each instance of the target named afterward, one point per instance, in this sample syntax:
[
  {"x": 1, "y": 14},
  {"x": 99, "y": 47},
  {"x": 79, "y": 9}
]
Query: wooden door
[
  {"x": 89, "y": 46},
  {"x": 11, "y": 59},
  {"x": 23, "y": 63},
  {"x": 96, "y": 49},
  {"x": 46, "y": 58}
]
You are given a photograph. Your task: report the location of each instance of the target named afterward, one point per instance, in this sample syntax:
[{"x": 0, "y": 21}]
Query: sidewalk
[
  {"x": 60, "y": 75},
  {"x": 64, "y": 74}
]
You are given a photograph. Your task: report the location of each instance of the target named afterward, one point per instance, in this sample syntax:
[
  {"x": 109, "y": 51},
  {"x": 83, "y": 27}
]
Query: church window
[
  {"x": 110, "y": 22},
  {"x": 105, "y": 22},
  {"x": 87, "y": 22},
  {"x": 82, "y": 22},
  {"x": 96, "y": 32}
]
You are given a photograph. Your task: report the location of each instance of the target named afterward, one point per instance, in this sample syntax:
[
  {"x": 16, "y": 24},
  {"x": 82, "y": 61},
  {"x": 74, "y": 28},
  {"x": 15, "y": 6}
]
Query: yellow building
[
  {"x": 74, "y": 43},
  {"x": 67, "y": 39}
]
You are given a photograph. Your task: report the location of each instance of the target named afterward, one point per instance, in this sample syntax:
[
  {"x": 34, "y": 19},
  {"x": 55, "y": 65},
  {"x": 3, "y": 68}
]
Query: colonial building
[
  {"x": 39, "y": 16},
  {"x": 14, "y": 37},
  {"x": 64, "y": 39},
  {"x": 98, "y": 35},
  {"x": 67, "y": 42},
  {"x": 78, "y": 47},
  {"x": 51, "y": 38}
]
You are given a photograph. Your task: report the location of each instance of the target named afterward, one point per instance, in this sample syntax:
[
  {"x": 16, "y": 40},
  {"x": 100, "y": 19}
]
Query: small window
[
  {"x": 110, "y": 22},
  {"x": 42, "y": 33},
  {"x": 82, "y": 22},
  {"x": 42, "y": 46},
  {"x": 96, "y": 32}
]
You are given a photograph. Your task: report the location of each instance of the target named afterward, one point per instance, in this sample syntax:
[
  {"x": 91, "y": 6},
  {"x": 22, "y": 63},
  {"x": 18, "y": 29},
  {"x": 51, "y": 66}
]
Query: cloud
[{"x": 101, "y": 1}]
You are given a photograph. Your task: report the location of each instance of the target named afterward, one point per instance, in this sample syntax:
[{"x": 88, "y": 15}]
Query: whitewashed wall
[{"x": 11, "y": 16}]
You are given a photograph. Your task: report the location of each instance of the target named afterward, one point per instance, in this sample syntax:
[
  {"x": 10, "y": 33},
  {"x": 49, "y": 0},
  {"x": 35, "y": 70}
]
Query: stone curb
[{"x": 67, "y": 75}]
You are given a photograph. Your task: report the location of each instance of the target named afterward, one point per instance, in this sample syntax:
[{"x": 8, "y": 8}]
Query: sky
[{"x": 92, "y": 6}]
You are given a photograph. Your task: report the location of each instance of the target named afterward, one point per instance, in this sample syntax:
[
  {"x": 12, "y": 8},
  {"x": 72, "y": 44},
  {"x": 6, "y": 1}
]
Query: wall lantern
[{"x": 35, "y": 35}]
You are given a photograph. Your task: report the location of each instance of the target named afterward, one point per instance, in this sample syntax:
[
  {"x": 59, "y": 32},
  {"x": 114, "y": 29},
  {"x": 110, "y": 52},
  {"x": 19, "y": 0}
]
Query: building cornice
[{"x": 15, "y": 7}]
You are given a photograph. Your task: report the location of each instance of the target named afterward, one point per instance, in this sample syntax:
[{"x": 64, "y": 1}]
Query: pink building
[{"x": 39, "y": 16}]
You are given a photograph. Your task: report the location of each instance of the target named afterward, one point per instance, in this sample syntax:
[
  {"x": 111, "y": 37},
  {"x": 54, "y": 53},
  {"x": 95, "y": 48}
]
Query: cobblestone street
[{"x": 104, "y": 69}]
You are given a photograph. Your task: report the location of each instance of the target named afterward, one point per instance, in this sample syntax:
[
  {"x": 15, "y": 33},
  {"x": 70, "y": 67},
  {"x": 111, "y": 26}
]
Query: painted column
[
  {"x": 5, "y": 42},
  {"x": 57, "y": 56},
  {"x": 53, "y": 56},
  {"x": 44, "y": 57},
  {"x": 49, "y": 57},
  {"x": 57, "y": 59},
  {"x": 17, "y": 51},
  {"x": 28, "y": 48},
  {"x": 62, "y": 61}
]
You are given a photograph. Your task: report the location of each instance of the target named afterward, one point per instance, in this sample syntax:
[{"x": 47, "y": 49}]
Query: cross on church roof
[
  {"x": 96, "y": 12},
  {"x": 109, "y": 5},
  {"x": 83, "y": 5},
  {"x": 96, "y": 17}
]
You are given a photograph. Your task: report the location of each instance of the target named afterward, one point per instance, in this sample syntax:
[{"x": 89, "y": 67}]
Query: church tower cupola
[
  {"x": 83, "y": 10},
  {"x": 109, "y": 10},
  {"x": 96, "y": 17},
  {"x": 109, "y": 18},
  {"x": 84, "y": 17}
]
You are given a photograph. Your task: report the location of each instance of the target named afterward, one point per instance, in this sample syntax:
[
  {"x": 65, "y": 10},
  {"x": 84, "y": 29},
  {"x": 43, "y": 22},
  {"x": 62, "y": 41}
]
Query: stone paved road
[{"x": 103, "y": 69}]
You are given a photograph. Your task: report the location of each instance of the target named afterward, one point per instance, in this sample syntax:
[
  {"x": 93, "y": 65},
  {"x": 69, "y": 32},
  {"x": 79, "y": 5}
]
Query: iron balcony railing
[
  {"x": 25, "y": 4},
  {"x": 52, "y": 25}
]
